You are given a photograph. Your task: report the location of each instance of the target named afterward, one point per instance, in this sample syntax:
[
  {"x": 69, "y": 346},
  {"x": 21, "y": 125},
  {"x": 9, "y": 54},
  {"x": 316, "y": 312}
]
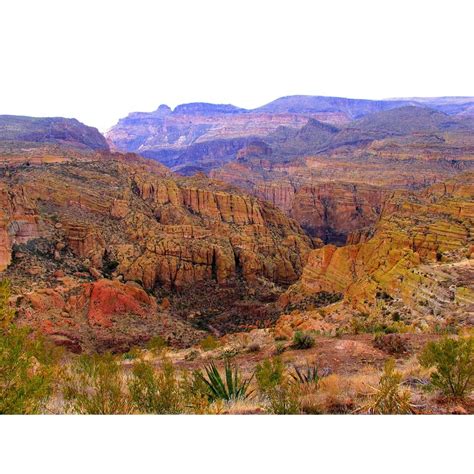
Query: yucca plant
[
  {"x": 310, "y": 375},
  {"x": 231, "y": 387}
]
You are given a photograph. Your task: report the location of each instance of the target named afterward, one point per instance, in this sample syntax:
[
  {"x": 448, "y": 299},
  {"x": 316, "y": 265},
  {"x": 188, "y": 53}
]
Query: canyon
[
  {"x": 87, "y": 241},
  {"x": 315, "y": 214}
]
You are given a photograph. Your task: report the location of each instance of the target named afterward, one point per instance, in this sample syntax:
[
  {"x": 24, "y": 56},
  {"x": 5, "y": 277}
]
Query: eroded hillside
[
  {"x": 414, "y": 271},
  {"x": 83, "y": 241}
]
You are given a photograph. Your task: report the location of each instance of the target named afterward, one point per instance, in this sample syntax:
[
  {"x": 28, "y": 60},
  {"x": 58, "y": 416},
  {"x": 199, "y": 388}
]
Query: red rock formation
[
  {"x": 91, "y": 315},
  {"x": 77, "y": 222},
  {"x": 110, "y": 298}
]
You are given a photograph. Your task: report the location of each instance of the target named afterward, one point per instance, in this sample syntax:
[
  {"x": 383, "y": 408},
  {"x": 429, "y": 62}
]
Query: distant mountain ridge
[
  {"x": 50, "y": 130},
  {"x": 308, "y": 104},
  {"x": 201, "y": 137}
]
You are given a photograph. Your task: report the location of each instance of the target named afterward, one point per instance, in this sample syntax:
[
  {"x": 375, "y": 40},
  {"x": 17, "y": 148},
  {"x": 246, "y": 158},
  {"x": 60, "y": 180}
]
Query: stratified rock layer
[
  {"x": 118, "y": 219},
  {"x": 415, "y": 265}
]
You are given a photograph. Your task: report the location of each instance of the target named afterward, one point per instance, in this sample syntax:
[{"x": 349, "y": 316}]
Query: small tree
[{"x": 453, "y": 361}]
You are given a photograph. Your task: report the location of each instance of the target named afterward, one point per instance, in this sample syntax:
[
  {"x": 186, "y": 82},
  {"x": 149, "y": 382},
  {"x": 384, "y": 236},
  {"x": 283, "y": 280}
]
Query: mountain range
[
  {"x": 230, "y": 233},
  {"x": 200, "y": 137}
]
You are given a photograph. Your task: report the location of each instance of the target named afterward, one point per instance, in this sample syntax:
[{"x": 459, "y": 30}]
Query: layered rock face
[
  {"x": 342, "y": 187},
  {"x": 19, "y": 223},
  {"x": 197, "y": 141},
  {"x": 332, "y": 178},
  {"x": 199, "y": 122},
  {"x": 124, "y": 219},
  {"x": 330, "y": 211},
  {"x": 160, "y": 229},
  {"x": 417, "y": 263}
]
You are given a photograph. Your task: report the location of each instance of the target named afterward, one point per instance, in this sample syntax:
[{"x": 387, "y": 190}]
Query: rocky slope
[
  {"x": 84, "y": 240},
  {"x": 341, "y": 186},
  {"x": 414, "y": 269}
]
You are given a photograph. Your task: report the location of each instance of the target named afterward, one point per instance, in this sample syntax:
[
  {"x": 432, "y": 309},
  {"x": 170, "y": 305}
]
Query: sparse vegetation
[
  {"x": 318, "y": 300},
  {"x": 310, "y": 375},
  {"x": 209, "y": 343},
  {"x": 27, "y": 364},
  {"x": 155, "y": 391},
  {"x": 453, "y": 364},
  {"x": 283, "y": 399},
  {"x": 365, "y": 323},
  {"x": 254, "y": 347},
  {"x": 391, "y": 343},
  {"x": 95, "y": 385},
  {"x": 132, "y": 354},
  {"x": 303, "y": 340},
  {"x": 389, "y": 398},
  {"x": 32, "y": 381},
  {"x": 269, "y": 374},
  {"x": 280, "y": 347},
  {"x": 156, "y": 344}
]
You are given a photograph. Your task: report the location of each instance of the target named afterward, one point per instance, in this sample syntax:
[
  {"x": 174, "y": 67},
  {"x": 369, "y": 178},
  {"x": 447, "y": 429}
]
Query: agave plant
[
  {"x": 311, "y": 375},
  {"x": 231, "y": 387}
]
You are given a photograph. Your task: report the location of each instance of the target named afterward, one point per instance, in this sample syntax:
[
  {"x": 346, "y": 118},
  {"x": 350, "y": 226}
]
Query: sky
[{"x": 99, "y": 60}]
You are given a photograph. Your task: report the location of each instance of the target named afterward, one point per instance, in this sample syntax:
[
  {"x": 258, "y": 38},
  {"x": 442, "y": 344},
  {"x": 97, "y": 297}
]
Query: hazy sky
[{"x": 98, "y": 60}]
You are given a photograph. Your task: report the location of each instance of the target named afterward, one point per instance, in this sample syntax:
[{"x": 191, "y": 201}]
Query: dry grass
[
  {"x": 243, "y": 407},
  {"x": 333, "y": 394}
]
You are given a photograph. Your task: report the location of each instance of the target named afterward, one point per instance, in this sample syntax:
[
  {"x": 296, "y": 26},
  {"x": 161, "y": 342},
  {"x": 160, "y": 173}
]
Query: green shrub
[
  {"x": 27, "y": 364},
  {"x": 95, "y": 385},
  {"x": 155, "y": 391},
  {"x": 364, "y": 323},
  {"x": 195, "y": 393},
  {"x": 389, "y": 398},
  {"x": 229, "y": 387},
  {"x": 26, "y": 381},
  {"x": 6, "y": 312},
  {"x": 453, "y": 361},
  {"x": 283, "y": 399},
  {"x": 280, "y": 347},
  {"x": 156, "y": 344},
  {"x": 303, "y": 340},
  {"x": 209, "y": 343},
  {"x": 318, "y": 300},
  {"x": 192, "y": 355},
  {"x": 133, "y": 353},
  {"x": 269, "y": 374}
]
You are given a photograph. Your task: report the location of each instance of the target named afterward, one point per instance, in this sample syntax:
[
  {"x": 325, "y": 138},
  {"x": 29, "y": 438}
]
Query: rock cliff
[
  {"x": 73, "y": 232},
  {"x": 416, "y": 266}
]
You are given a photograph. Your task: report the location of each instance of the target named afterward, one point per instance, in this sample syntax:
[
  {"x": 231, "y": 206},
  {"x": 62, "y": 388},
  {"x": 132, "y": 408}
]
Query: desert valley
[{"x": 313, "y": 255}]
